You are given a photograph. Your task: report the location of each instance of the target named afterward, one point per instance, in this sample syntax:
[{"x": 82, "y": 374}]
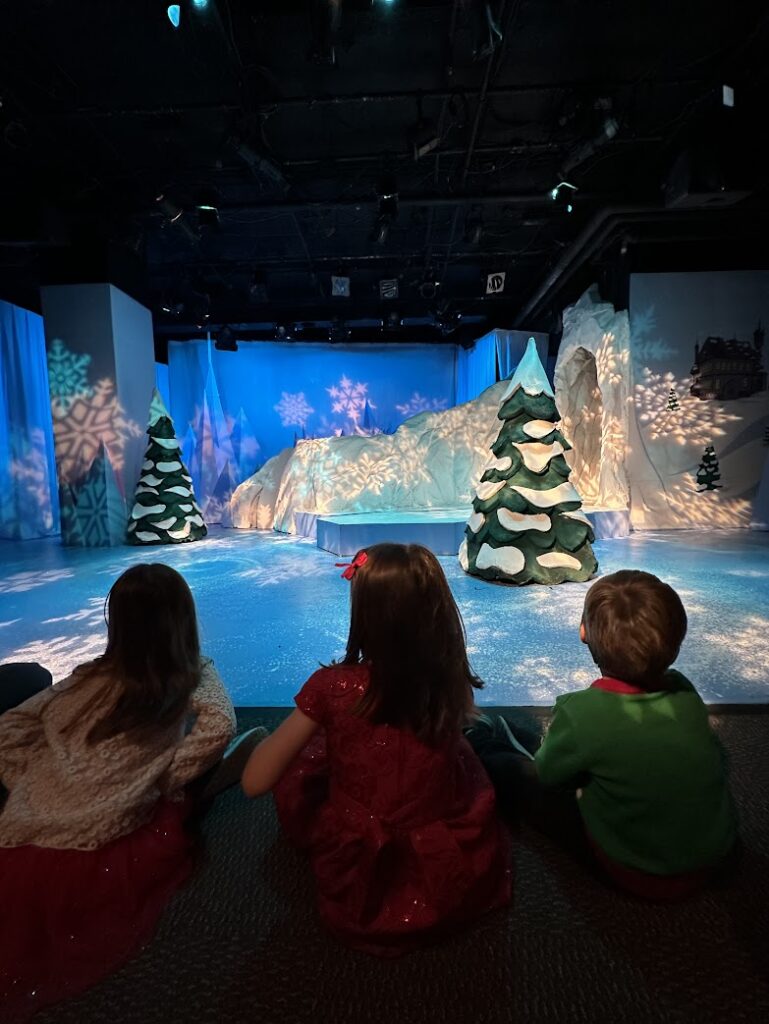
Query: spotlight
[
  {"x": 174, "y": 13},
  {"x": 200, "y": 5},
  {"x": 392, "y": 322},
  {"x": 225, "y": 340},
  {"x": 170, "y": 210},
  {"x": 339, "y": 330},
  {"x": 555, "y": 192},
  {"x": 208, "y": 211}
]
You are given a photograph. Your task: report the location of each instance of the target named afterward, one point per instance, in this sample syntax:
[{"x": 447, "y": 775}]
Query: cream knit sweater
[{"x": 68, "y": 794}]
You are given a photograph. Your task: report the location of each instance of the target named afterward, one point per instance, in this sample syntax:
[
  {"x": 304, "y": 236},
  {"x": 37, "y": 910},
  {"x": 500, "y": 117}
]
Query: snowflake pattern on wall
[
  {"x": 420, "y": 403},
  {"x": 693, "y": 422},
  {"x": 67, "y": 377},
  {"x": 350, "y": 398},
  {"x": 293, "y": 409},
  {"x": 89, "y": 422}
]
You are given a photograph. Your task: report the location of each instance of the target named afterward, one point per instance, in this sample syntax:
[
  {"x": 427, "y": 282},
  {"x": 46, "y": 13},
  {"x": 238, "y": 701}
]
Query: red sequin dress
[{"x": 403, "y": 837}]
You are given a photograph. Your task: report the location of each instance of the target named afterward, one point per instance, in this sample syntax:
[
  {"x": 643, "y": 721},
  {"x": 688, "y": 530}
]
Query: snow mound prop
[{"x": 431, "y": 461}]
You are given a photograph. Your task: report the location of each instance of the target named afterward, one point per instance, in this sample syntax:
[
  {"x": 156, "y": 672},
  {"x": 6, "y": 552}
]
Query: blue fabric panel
[
  {"x": 29, "y": 505},
  {"x": 289, "y": 390},
  {"x": 476, "y": 368}
]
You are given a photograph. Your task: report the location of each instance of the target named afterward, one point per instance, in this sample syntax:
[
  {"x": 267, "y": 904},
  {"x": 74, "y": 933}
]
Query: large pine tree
[
  {"x": 527, "y": 526},
  {"x": 165, "y": 510}
]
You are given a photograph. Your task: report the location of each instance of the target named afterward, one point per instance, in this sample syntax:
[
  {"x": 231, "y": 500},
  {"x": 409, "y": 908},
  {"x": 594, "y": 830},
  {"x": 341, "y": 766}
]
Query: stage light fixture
[
  {"x": 170, "y": 210},
  {"x": 262, "y": 167},
  {"x": 200, "y": 5},
  {"x": 555, "y": 192},
  {"x": 174, "y": 13}
]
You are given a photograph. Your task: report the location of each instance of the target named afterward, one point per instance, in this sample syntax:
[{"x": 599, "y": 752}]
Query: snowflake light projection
[
  {"x": 88, "y": 422},
  {"x": 293, "y": 409},
  {"x": 694, "y": 422},
  {"x": 371, "y": 474},
  {"x": 27, "y": 510},
  {"x": 67, "y": 377},
  {"x": 420, "y": 403},
  {"x": 350, "y": 398}
]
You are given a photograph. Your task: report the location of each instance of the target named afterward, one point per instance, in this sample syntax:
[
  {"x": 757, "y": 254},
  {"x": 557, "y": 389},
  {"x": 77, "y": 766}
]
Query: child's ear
[{"x": 582, "y": 633}]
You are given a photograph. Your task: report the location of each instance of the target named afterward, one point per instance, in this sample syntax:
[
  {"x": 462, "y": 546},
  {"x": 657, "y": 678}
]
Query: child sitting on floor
[
  {"x": 635, "y": 748},
  {"x": 394, "y": 807},
  {"x": 92, "y": 839}
]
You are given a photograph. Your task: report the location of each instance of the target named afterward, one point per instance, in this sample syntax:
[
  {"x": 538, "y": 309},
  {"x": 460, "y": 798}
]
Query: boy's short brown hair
[{"x": 635, "y": 625}]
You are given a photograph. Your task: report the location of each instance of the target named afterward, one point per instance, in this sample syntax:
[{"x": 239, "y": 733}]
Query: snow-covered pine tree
[
  {"x": 165, "y": 510},
  {"x": 527, "y": 526},
  {"x": 673, "y": 401},
  {"x": 708, "y": 471}
]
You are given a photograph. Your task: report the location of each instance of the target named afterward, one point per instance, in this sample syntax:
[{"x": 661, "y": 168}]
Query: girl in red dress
[
  {"x": 92, "y": 838},
  {"x": 371, "y": 772}
]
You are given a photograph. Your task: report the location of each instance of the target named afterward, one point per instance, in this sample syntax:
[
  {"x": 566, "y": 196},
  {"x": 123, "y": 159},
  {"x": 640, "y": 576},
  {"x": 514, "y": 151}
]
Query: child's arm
[
  {"x": 213, "y": 729},
  {"x": 559, "y": 761},
  {"x": 272, "y": 757}
]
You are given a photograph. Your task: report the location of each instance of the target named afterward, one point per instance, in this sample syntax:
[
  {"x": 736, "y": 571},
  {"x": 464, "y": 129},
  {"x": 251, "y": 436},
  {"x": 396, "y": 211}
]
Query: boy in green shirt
[{"x": 635, "y": 749}]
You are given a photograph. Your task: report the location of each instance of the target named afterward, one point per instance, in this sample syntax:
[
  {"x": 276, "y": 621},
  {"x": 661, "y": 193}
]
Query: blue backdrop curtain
[
  {"x": 233, "y": 410},
  {"x": 29, "y": 504},
  {"x": 476, "y": 368}
]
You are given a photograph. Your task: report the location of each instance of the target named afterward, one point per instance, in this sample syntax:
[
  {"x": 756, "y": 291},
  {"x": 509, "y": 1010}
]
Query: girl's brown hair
[
  {"x": 153, "y": 651},
  {"x": 405, "y": 623}
]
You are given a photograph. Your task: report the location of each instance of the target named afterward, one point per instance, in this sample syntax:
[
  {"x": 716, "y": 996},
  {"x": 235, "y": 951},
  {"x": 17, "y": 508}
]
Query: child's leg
[
  {"x": 21, "y": 680},
  {"x": 520, "y": 794}
]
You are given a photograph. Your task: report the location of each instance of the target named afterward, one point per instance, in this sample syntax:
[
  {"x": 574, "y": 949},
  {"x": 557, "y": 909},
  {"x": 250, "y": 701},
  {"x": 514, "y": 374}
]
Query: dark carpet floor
[{"x": 242, "y": 942}]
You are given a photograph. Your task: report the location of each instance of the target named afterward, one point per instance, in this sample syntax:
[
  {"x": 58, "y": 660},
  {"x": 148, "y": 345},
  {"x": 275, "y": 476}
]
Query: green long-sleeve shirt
[{"x": 651, "y": 771}]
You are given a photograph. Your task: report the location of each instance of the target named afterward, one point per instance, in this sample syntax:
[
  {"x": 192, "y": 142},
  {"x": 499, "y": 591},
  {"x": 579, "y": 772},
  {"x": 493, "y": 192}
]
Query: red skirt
[{"x": 70, "y": 917}]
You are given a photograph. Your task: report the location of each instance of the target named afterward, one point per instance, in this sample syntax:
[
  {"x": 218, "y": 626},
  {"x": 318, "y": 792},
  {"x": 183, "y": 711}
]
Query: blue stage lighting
[
  {"x": 200, "y": 4},
  {"x": 174, "y": 14}
]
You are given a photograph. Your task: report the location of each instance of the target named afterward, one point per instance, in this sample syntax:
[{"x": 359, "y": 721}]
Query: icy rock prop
[
  {"x": 592, "y": 390},
  {"x": 432, "y": 461},
  {"x": 527, "y": 526},
  {"x": 165, "y": 510}
]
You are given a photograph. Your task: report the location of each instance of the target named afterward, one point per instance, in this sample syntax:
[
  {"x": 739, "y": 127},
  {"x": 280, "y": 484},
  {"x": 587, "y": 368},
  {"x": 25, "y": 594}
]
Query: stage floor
[{"x": 273, "y": 607}]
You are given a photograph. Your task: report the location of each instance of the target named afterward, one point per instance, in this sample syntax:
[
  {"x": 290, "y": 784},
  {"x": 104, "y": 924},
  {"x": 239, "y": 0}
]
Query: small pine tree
[
  {"x": 673, "y": 401},
  {"x": 527, "y": 526},
  {"x": 708, "y": 471},
  {"x": 165, "y": 510}
]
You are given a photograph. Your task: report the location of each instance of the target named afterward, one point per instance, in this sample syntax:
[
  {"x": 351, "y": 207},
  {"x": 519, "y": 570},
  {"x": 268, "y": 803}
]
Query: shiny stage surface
[{"x": 272, "y": 607}]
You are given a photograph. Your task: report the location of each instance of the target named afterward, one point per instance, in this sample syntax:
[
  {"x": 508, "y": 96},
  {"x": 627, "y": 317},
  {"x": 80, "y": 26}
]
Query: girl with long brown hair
[
  {"x": 372, "y": 774},
  {"x": 92, "y": 838}
]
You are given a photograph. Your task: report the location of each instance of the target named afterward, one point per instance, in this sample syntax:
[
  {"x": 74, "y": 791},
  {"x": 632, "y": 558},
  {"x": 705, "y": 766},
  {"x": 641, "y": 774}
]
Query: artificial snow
[
  {"x": 558, "y": 560},
  {"x": 476, "y": 521},
  {"x": 489, "y": 488},
  {"x": 518, "y": 521},
  {"x": 185, "y": 492},
  {"x": 536, "y": 456},
  {"x": 529, "y": 375},
  {"x": 500, "y": 465},
  {"x": 508, "y": 560},
  {"x": 165, "y": 524},
  {"x": 549, "y": 497},
  {"x": 150, "y": 480},
  {"x": 140, "y": 489},
  {"x": 139, "y": 511},
  {"x": 538, "y": 428},
  {"x": 184, "y": 532},
  {"x": 169, "y": 467},
  {"x": 146, "y": 537},
  {"x": 465, "y": 565},
  {"x": 166, "y": 442}
]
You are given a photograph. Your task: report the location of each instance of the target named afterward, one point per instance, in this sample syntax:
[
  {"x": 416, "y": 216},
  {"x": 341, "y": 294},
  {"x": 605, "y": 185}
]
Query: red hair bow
[{"x": 352, "y": 567}]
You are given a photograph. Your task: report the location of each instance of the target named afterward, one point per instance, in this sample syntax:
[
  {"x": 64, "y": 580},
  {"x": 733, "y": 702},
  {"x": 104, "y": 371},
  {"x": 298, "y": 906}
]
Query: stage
[{"x": 273, "y": 607}]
